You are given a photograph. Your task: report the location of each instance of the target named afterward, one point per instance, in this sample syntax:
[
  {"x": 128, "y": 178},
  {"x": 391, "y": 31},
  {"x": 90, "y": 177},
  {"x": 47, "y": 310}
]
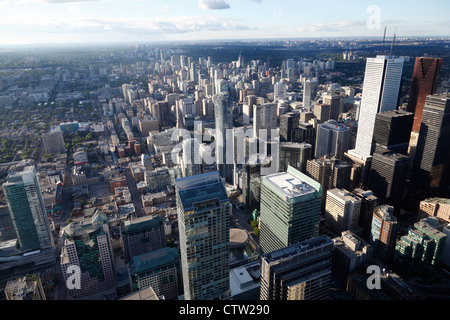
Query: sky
[{"x": 97, "y": 21}]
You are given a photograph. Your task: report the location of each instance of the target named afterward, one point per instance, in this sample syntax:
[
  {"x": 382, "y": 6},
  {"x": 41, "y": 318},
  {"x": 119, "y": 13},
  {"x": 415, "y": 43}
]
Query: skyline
[{"x": 106, "y": 21}]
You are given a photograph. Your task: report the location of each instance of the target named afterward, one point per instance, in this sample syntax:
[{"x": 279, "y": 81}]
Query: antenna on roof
[
  {"x": 384, "y": 40},
  {"x": 393, "y": 41}
]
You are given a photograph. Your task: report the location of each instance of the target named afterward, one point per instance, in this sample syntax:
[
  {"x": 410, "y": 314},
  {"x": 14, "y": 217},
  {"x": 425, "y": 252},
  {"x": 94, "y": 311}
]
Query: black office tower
[
  {"x": 387, "y": 177},
  {"x": 288, "y": 122},
  {"x": 392, "y": 131},
  {"x": 430, "y": 175}
]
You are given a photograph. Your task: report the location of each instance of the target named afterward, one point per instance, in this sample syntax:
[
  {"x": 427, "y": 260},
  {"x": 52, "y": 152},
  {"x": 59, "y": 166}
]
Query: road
[{"x": 135, "y": 195}]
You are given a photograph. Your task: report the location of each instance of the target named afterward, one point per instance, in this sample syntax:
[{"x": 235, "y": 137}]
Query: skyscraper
[
  {"x": 387, "y": 178},
  {"x": 380, "y": 93},
  {"x": 142, "y": 235},
  {"x": 424, "y": 83},
  {"x": 392, "y": 130},
  {"x": 383, "y": 232},
  {"x": 204, "y": 220},
  {"x": 301, "y": 271},
  {"x": 333, "y": 139},
  {"x": 289, "y": 210},
  {"x": 309, "y": 92},
  {"x": 431, "y": 168},
  {"x": 27, "y": 210},
  {"x": 295, "y": 155},
  {"x": 264, "y": 118},
  {"x": 223, "y": 112},
  {"x": 368, "y": 204},
  {"x": 342, "y": 211},
  {"x": 334, "y": 101},
  {"x": 288, "y": 122},
  {"x": 87, "y": 245}
]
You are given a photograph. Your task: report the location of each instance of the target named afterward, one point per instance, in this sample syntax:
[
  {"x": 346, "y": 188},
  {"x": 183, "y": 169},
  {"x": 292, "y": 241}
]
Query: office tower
[
  {"x": 322, "y": 112},
  {"x": 251, "y": 181},
  {"x": 280, "y": 91},
  {"x": 435, "y": 207},
  {"x": 383, "y": 232},
  {"x": 53, "y": 142},
  {"x": 334, "y": 101},
  {"x": 350, "y": 254},
  {"x": 288, "y": 122},
  {"x": 264, "y": 119},
  {"x": 392, "y": 130},
  {"x": 387, "y": 178},
  {"x": 309, "y": 92},
  {"x": 27, "y": 210},
  {"x": 431, "y": 168},
  {"x": 161, "y": 111},
  {"x": 87, "y": 246},
  {"x": 289, "y": 210},
  {"x": 341, "y": 175},
  {"x": 420, "y": 251},
  {"x": 204, "y": 220},
  {"x": 304, "y": 133},
  {"x": 299, "y": 272},
  {"x": 333, "y": 139},
  {"x": 142, "y": 235},
  {"x": 159, "y": 270},
  {"x": 28, "y": 287},
  {"x": 223, "y": 112},
  {"x": 368, "y": 204},
  {"x": 360, "y": 169},
  {"x": 191, "y": 161},
  {"x": 380, "y": 93},
  {"x": 342, "y": 211},
  {"x": 424, "y": 83},
  {"x": 295, "y": 155}
]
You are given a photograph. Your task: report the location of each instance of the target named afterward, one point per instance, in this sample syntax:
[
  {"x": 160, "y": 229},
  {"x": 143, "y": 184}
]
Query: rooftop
[{"x": 153, "y": 260}]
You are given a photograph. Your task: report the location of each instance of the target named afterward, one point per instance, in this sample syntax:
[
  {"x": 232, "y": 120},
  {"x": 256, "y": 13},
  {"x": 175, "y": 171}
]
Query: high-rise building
[
  {"x": 435, "y": 207},
  {"x": 383, "y": 232},
  {"x": 322, "y": 112},
  {"x": 420, "y": 251},
  {"x": 53, "y": 142},
  {"x": 309, "y": 92},
  {"x": 289, "y": 210},
  {"x": 264, "y": 118},
  {"x": 204, "y": 220},
  {"x": 424, "y": 83},
  {"x": 380, "y": 93},
  {"x": 334, "y": 101},
  {"x": 342, "y": 210},
  {"x": 387, "y": 178},
  {"x": 223, "y": 112},
  {"x": 288, "y": 122},
  {"x": 304, "y": 133},
  {"x": 7, "y": 231},
  {"x": 280, "y": 91},
  {"x": 299, "y": 272},
  {"x": 431, "y": 168},
  {"x": 191, "y": 161},
  {"x": 159, "y": 270},
  {"x": 333, "y": 139},
  {"x": 295, "y": 155},
  {"x": 27, "y": 209},
  {"x": 349, "y": 254},
  {"x": 142, "y": 235},
  {"x": 87, "y": 245},
  {"x": 392, "y": 130},
  {"x": 368, "y": 204}
]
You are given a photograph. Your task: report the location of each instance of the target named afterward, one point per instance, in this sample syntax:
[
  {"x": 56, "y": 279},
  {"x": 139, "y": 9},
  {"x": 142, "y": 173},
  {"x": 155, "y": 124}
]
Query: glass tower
[
  {"x": 290, "y": 209},
  {"x": 204, "y": 221},
  {"x": 27, "y": 210}
]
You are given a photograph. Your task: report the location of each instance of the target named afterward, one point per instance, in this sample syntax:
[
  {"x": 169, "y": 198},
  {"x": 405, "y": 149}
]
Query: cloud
[
  {"x": 213, "y": 4},
  {"x": 164, "y": 25}
]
